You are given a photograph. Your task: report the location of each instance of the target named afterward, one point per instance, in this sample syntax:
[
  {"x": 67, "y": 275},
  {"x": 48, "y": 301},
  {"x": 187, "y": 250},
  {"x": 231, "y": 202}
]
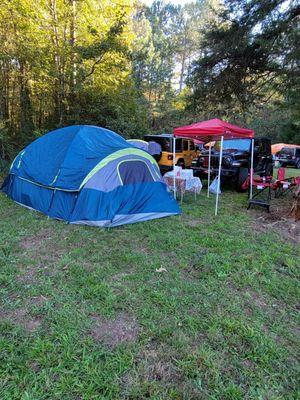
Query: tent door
[{"x": 134, "y": 171}]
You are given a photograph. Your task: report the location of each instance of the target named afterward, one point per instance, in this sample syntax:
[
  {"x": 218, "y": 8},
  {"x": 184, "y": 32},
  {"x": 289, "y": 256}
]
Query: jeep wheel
[
  {"x": 298, "y": 164},
  {"x": 269, "y": 170},
  {"x": 242, "y": 175}
]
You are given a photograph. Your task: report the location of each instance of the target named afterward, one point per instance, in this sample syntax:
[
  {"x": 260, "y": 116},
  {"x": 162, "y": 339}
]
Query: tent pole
[
  {"x": 219, "y": 176},
  {"x": 251, "y": 169},
  {"x": 174, "y": 178},
  {"x": 208, "y": 178}
]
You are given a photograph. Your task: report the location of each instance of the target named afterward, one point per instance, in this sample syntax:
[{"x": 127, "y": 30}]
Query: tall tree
[
  {"x": 247, "y": 56},
  {"x": 54, "y": 54}
]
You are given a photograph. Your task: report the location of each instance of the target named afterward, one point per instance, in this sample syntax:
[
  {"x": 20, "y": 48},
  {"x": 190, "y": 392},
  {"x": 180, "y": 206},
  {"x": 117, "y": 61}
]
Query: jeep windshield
[{"x": 234, "y": 144}]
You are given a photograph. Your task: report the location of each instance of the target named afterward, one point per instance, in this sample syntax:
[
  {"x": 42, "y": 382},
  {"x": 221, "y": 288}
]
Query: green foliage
[
  {"x": 66, "y": 61},
  {"x": 124, "y": 65}
]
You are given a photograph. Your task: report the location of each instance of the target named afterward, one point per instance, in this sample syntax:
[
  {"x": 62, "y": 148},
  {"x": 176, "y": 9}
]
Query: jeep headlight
[
  {"x": 228, "y": 160},
  {"x": 236, "y": 164}
]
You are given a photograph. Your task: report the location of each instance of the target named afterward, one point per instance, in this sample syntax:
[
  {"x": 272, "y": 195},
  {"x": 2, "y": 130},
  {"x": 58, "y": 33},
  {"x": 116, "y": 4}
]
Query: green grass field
[{"x": 188, "y": 307}]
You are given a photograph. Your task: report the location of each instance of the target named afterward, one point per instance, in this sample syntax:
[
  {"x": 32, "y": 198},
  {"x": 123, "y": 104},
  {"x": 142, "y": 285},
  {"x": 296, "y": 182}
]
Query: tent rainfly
[
  {"x": 212, "y": 130},
  {"x": 89, "y": 175}
]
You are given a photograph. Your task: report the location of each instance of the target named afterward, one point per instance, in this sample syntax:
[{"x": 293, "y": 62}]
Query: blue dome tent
[{"x": 89, "y": 175}]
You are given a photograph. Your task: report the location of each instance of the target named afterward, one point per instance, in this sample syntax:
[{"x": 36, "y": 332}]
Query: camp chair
[
  {"x": 283, "y": 185},
  {"x": 262, "y": 194}
]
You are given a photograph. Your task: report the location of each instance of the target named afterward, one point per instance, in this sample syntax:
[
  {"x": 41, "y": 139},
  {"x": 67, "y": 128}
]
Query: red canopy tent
[{"x": 214, "y": 129}]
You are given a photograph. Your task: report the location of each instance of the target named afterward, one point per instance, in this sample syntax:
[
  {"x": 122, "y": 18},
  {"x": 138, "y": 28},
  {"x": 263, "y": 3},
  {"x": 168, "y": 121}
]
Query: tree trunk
[
  {"x": 26, "y": 110},
  {"x": 4, "y": 95},
  {"x": 182, "y": 71},
  {"x": 58, "y": 82},
  {"x": 72, "y": 52}
]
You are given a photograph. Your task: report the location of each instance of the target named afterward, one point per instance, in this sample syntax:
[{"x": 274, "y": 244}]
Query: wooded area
[{"x": 137, "y": 69}]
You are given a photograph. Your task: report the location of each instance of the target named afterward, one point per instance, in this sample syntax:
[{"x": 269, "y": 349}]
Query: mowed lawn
[{"x": 188, "y": 307}]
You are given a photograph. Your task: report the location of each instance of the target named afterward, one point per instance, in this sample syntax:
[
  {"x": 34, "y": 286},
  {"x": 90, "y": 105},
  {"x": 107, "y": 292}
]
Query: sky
[{"x": 177, "y": 2}]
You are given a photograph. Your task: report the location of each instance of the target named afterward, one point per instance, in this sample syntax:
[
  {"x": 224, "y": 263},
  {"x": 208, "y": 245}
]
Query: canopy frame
[{"x": 214, "y": 129}]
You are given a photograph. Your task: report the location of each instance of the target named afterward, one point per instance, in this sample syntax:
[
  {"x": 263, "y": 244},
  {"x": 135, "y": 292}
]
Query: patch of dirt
[
  {"x": 120, "y": 276},
  {"x": 151, "y": 364},
  {"x": 156, "y": 368},
  {"x": 277, "y": 221},
  {"x": 29, "y": 274},
  {"x": 258, "y": 300},
  {"x": 37, "y": 300},
  {"x": 113, "y": 332},
  {"x": 194, "y": 222},
  {"x": 248, "y": 364},
  {"x": 22, "y": 318},
  {"x": 194, "y": 267},
  {"x": 252, "y": 299},
  {"x": 140, "y": 247},
  {"x": 35, "y": 366},
  {"x": 36, "y": 242},
  {"x": 45, "y": 249}
]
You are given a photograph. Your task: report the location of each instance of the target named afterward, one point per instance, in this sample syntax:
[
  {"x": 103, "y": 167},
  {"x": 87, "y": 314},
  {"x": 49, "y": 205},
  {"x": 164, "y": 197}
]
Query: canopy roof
[{"x": 213, "y": 129}]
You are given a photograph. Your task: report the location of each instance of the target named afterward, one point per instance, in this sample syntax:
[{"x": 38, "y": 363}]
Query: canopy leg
[
  {"x": 219, "y": 176},
  {"x": 251, "y": 169},
  {"x": 174, "y": 178},
  {"x": 208, "y": 177}
]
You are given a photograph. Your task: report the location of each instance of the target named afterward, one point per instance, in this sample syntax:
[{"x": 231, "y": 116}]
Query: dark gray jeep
[
  {"x": 289, "y": 156},
  {"x": 236, "y": 160}
]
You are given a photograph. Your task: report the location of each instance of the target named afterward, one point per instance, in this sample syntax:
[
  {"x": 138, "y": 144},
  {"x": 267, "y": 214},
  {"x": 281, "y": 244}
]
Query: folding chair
[
  {"x": 262, "y": 192},
  {"x": 283, "y": 185}
]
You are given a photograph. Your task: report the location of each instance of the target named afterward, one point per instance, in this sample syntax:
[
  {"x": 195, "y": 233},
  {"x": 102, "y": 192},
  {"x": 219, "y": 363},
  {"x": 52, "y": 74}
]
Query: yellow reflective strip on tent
[
  {"x": 115, "y": 156},
  {"x": 136, "y": 140}
]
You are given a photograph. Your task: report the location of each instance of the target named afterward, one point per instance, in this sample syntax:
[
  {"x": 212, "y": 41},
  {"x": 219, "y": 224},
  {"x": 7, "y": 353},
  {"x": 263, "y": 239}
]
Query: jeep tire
[
  {"x": 242, "y": 175},
  {"x": 269, "y": 170}
]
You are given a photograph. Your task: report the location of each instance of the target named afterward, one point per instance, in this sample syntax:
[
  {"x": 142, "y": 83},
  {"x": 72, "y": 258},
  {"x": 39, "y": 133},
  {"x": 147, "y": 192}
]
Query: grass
[
  {"x": 86, "y": 314},
  {"x": 289, "y": 172}
]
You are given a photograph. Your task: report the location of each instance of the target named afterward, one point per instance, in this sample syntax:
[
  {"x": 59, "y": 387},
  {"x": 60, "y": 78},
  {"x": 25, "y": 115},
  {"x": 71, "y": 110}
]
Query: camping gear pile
[{"x": 89, "y": 175}]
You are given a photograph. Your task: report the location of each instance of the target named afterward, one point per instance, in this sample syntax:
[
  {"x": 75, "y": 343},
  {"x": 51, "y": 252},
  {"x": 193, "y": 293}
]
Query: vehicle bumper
[{"x": 214, "y": 171}]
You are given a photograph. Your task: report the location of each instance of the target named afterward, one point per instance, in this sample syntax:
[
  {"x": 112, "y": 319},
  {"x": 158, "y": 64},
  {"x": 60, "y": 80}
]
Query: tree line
[{"x": 137, "y": 69}]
